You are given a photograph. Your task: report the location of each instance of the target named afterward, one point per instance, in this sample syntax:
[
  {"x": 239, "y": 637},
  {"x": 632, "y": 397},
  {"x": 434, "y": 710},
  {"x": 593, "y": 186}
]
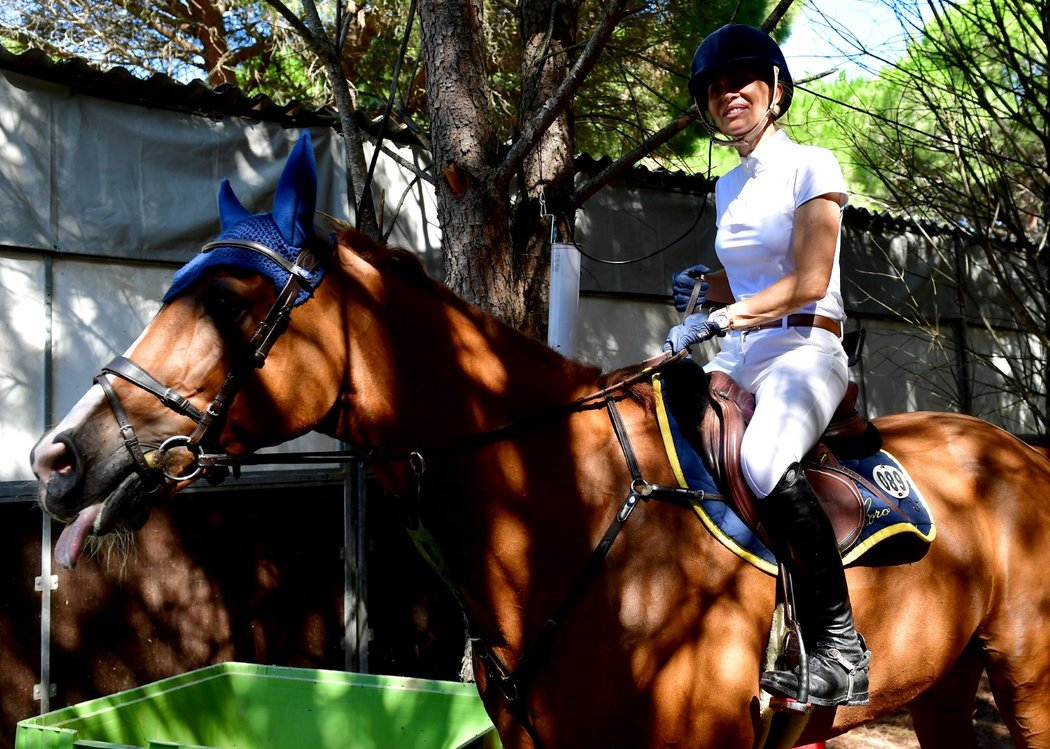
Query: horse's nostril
[
  {"x": 51, "y": 456},
  {"x": 56, "y": 464},
  {"x": 64, "y": 463}
]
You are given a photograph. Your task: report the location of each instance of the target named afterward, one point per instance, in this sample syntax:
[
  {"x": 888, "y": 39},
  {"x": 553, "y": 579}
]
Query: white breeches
[{"x": 798, "y": 376}]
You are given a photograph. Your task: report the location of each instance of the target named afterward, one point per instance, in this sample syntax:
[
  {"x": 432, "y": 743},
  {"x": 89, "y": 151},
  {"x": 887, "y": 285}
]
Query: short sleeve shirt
[{"x": 756, "y": 203}]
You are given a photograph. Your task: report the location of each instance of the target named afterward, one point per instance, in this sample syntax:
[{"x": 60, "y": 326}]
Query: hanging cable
[
  {"x": 389, "y": 106},
  {"x": 654, "y": 253}
]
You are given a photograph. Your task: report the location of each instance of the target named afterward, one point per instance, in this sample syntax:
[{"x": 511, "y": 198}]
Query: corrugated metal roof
[{"x": 163, "y": 92}]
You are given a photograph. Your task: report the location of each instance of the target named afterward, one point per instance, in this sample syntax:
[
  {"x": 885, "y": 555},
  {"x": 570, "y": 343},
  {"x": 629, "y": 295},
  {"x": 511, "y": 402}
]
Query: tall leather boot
[{"x": 804, "y": 540}]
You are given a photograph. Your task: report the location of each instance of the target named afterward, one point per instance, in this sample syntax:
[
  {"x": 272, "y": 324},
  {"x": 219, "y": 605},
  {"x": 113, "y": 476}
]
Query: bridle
[
  {"x": 149, "y": 464},
  {"x": 214, "y": 466}
]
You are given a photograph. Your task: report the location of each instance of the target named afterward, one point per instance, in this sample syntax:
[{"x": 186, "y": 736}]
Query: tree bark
[
  {"x": 472, "y": 211},
  {"x": 548, "y": 32}
]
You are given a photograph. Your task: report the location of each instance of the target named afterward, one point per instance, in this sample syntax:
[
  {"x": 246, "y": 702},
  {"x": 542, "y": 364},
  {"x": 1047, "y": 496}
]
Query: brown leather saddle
[{"x": 729, "y": 411}]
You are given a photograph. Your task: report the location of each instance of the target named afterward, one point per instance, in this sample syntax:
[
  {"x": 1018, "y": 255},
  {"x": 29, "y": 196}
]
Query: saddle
[{"x": 721, "y": 431}]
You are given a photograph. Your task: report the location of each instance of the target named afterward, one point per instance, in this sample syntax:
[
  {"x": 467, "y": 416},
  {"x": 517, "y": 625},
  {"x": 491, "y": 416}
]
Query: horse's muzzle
[{"x": 58, "y": 467}]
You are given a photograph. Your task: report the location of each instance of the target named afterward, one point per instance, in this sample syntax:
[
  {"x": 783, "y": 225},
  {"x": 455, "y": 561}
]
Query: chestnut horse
[{"x": 518, "y": 474}]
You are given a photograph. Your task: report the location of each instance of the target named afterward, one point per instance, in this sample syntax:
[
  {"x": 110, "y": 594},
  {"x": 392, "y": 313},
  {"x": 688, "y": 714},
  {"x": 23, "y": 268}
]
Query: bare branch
[
  {"x": 628, "y": 160},
  {"x": 549, "y": 111},
  {"x": 774, "y": 18}
]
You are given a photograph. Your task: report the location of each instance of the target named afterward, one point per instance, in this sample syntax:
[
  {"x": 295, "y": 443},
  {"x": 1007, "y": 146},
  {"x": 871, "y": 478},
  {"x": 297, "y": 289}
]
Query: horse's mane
[
  {"x": 406, "y": 265},
  {"x": 640, "y": 392}
]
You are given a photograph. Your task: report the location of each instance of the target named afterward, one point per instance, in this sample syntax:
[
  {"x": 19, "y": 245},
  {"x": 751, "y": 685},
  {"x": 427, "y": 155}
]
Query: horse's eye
[{"x": 225, "y": 307}]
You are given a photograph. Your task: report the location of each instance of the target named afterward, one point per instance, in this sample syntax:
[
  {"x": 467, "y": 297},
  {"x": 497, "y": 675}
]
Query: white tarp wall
[
  {"x": 888, "y": 276},
  {"x": 100, "y": 203}
]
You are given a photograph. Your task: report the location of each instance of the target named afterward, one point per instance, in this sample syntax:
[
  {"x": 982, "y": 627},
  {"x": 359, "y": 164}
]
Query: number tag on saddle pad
[{"x": 897, "y": 526}]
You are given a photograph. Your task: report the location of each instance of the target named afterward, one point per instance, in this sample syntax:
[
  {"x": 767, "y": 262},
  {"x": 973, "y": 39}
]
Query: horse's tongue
[{"x": 70, "y": 543}]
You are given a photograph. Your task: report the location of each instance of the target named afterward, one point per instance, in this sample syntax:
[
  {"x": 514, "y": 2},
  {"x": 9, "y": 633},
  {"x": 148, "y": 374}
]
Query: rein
[
  {"x": 149, "y": 465},
  {"x": 596, "y": 399}
]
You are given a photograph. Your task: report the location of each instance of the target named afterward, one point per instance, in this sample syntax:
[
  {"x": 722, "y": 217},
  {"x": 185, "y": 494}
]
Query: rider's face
[{"x": 737, "y": 101}]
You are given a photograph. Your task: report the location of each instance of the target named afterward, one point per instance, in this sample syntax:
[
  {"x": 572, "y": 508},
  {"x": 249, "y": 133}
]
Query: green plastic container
[{"x": 246, "y": 706}]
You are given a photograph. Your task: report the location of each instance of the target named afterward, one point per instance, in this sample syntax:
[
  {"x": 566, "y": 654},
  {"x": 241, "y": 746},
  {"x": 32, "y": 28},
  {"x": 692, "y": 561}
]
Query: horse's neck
[
  {"x": 519, "y": 517},
  {"x": 423, "y": 369},
  {"x": 471, "y": 375}
]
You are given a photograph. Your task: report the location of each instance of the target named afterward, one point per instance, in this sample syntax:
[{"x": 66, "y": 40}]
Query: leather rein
[{"x": 214, "y": 466}]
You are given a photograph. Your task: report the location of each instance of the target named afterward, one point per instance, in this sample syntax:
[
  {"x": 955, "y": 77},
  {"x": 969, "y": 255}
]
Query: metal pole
[
  {"x": 355, "y": 598},
  {"x": 47, "y": 582}
]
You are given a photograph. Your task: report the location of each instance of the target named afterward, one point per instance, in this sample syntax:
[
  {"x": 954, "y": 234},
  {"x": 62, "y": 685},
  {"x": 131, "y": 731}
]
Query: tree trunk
[
  {"x": 549, "y": 31},
  {"x": 472, "y": 209},
  {"x": 207, "y": 24}
]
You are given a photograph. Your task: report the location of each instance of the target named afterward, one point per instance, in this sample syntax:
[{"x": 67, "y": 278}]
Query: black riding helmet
[{"x": 738, "y": 47}]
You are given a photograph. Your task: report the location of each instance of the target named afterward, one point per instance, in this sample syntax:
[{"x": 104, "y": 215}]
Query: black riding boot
[{"x": 803, "y": 538}]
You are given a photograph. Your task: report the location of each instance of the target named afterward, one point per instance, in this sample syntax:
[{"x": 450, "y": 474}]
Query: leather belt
[{"x": 800, "y": 320}]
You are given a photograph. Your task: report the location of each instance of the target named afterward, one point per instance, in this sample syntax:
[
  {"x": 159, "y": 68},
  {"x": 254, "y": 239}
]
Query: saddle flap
[
  {"x": 841, "y": 501},
  {"x": 721, "y": 435}
]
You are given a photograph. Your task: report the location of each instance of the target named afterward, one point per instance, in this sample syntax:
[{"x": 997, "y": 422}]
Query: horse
[{"x": 509, "y": 451}]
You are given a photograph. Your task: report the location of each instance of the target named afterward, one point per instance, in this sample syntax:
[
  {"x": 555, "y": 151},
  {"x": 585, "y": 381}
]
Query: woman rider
[{"x": 778, "y": 220}]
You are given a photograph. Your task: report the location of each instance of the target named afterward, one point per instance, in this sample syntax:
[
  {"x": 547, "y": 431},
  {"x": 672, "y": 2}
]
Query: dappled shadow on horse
[{"x": 512, "y": 454}]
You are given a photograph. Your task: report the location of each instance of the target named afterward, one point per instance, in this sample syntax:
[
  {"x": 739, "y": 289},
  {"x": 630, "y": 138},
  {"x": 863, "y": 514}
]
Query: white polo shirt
[{"x": 756, "y": 203}]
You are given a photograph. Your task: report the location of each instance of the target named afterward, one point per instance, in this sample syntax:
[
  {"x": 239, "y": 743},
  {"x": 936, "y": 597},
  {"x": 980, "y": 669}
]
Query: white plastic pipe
[{"x": 564, "y": 298}]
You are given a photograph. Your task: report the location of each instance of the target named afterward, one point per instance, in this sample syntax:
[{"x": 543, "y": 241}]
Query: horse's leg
[
  {"x": 943, "y": 715},
  {"x": 1016, "y": 627},
  {"x": 1020, "y": 678}
]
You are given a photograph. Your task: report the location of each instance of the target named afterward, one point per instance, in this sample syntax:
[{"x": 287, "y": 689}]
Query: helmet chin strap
[{"x": 747, "y": 139}]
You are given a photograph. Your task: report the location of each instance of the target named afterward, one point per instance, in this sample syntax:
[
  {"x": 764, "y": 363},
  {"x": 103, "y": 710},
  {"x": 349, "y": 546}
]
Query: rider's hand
[
  {"x": 682, "y": 287},
  {"x": 694, "y": 329}
]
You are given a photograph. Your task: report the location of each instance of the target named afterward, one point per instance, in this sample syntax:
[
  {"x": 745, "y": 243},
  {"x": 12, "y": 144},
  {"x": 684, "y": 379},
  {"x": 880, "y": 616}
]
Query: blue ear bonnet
[
  {"x": 285, "y": 230},
  {"x": 260, "y": 228}
]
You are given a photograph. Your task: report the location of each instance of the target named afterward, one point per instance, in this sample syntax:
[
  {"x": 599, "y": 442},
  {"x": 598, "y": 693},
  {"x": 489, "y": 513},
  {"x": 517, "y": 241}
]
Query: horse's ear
[
  {"x": 296, "y": 197},
  {"x": 230, "y": 209}
]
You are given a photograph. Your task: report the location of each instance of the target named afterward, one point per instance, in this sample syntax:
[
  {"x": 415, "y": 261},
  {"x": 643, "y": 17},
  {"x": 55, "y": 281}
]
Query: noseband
[{"x": 149, "y": 465}]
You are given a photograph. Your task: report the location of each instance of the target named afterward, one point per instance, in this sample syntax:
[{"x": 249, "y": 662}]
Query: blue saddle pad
[{"x": 910, "y": 516}]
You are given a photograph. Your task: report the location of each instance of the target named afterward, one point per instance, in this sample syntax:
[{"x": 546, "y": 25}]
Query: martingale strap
[{"x": 512, "y": 682}]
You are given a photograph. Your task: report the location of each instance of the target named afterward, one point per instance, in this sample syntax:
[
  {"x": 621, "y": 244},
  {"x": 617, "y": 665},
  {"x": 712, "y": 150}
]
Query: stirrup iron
[{"x": 793, "y": 653}]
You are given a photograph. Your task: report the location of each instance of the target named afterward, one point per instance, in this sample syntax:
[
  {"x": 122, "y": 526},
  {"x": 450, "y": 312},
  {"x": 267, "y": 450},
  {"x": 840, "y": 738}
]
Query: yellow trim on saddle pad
[
  {"x": 895, "y": 475},
  {"x": 679, "y": 475},
  {"x": 866, "y": 544}
]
